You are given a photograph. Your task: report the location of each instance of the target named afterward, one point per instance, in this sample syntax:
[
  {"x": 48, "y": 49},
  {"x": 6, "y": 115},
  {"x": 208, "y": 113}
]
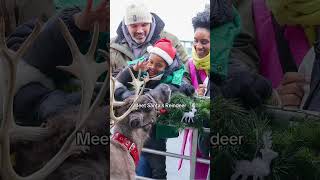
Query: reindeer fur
[
  {"x": 121, "y": 163},
  {"x": 90, "y": 165}
]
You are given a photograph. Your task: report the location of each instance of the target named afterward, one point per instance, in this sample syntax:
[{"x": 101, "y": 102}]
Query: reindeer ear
[{"x": 162, "y": 93}]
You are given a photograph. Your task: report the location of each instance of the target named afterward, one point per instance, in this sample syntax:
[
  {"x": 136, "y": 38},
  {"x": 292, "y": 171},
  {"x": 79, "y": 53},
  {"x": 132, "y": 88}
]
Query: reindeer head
[
  {"x": 268, "y": 154},
  {"x": 140, "y": 120}
]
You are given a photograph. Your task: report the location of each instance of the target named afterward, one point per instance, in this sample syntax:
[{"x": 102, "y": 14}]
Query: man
[{"x": 138, "y": 30}]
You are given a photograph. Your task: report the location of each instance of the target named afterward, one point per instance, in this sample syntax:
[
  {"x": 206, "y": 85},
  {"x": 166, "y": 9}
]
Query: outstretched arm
[{"x": 50, "y": 49}]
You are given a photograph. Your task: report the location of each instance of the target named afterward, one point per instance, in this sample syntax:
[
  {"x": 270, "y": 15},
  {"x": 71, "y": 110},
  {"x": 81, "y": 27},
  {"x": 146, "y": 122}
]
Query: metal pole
[
  {"x": 207, "y": 130},
  {"x": 143, "y": 178},
  {"x": 162, "y": 153},
  {"x": 194, "y": 153},
  {"x": 208, "y": 176},
  {"x": 193, "y": 158}
]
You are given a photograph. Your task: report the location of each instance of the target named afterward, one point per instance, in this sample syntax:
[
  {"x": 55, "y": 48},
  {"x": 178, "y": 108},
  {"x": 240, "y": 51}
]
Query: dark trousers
[{"x": 152, "y": 165}]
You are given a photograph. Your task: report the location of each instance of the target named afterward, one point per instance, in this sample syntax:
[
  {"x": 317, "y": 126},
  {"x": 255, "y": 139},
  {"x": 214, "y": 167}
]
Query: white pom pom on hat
[{"x": 164, "y": 49}]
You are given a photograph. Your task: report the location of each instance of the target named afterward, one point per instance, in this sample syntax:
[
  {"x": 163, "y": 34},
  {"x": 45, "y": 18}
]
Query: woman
[
  {"x": 199, "y": 64},
  {"x": 291, "y": 26},
  {"x": 199, "y": 71}
]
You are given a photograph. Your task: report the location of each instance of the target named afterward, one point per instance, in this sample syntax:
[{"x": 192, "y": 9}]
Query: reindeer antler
[
  {"x": 83, "y": 66},
  {"x": 138, "y": 86},
  {"x": 9, "y": 66}
]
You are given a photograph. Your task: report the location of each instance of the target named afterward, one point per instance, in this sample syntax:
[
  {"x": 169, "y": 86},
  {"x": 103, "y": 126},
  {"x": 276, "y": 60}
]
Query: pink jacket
[{"x": 270, "y": 66}]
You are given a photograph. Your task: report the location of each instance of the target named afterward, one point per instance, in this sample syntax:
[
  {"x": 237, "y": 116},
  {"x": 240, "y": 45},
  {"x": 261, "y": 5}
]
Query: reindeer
[
  {"x": 258, "y": 167},
  {"x": 133, "y": 126},
  {"x": 53, "y": 146},
  {"x": 188, "y": 117}
]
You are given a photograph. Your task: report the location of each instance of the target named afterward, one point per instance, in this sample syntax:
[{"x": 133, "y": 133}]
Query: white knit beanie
[{"x": 137, "y": 13}]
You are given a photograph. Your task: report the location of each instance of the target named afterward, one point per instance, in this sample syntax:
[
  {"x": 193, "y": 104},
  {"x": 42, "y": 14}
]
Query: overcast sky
[{"x": 176, "y": 14}]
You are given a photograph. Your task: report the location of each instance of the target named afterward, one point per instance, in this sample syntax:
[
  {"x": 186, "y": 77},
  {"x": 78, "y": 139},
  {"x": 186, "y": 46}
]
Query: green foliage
[
  {"x": 174, "y": 115},
  {"x": 298, "y": 145}
]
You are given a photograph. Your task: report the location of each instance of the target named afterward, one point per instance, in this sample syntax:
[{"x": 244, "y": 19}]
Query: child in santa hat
[{"x": 162, "y": 66}]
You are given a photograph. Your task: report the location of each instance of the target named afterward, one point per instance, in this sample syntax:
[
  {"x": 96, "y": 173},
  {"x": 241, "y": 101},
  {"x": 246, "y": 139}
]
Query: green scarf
[
  {"x": 201, "y": 63},
  {"x": 222, "y": 38},
  {"x": 297, "y": 12},
  {"x": 176, "y": 77}
]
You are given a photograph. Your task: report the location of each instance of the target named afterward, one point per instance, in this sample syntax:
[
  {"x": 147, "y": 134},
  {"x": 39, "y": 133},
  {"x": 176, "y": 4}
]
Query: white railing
[{"x": 193, "y": 156}]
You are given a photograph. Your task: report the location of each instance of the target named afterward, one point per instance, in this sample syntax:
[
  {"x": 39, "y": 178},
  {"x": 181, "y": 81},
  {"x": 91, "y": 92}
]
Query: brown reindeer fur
[
  {"x": 93, "y": 164},
  {"x": 89, "y": 165},
  {"x": 121, "y": 163}
]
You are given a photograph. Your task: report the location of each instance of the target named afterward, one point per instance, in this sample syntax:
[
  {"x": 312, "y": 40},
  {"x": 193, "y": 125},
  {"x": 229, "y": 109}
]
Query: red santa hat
[{"x": 164, "y": 49}]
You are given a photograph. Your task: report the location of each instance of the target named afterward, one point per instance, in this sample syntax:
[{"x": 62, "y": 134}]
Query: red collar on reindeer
[{"x": 130, "y": 146}]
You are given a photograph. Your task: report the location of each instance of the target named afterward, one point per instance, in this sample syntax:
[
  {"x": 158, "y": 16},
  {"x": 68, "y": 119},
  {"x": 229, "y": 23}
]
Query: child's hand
[
  {"x": 84, "y": 20},
  {"x": 143, "y": 66},
  {"x": 291, "y": 89},
  {"x": 201, "y": 90}
]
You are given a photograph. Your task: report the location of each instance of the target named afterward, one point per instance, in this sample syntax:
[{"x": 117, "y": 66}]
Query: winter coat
[
  {"x": 37, "y": 75},
  {"x": 120, "y": 51},
  {"x": 251, "y": 52},
  {"x": 197, "y": 76},
  {"x": 246, "y": 53},
  {"x": 242, "y": 81},
  {"x": 173, "y": 76}
]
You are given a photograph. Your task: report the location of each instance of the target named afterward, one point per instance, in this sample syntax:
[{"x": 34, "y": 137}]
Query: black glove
[
  {"x": 250, "y": 88},
  {"x": 34, "y": 100},
  {"x": 55, "y": 102},
  {"x": 122, "y": 93},
  {"x": 20, "y": 34},
  {"x": 187, "y": 89}
]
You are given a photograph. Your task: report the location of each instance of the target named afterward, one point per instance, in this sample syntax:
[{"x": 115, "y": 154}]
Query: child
[{"x": 163, "y": 66}]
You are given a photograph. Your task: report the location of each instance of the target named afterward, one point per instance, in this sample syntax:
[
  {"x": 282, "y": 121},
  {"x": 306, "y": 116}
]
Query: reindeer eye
[{"x": 148, "y": 109}]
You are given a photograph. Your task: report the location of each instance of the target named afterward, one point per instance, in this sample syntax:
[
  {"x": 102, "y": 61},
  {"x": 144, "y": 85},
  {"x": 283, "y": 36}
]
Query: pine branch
[{"x": 288, "y": 114}]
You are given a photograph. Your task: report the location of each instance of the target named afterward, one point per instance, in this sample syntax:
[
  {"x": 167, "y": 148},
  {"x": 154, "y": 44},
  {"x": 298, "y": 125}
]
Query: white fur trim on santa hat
[{"x": 158, "y": 51}]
